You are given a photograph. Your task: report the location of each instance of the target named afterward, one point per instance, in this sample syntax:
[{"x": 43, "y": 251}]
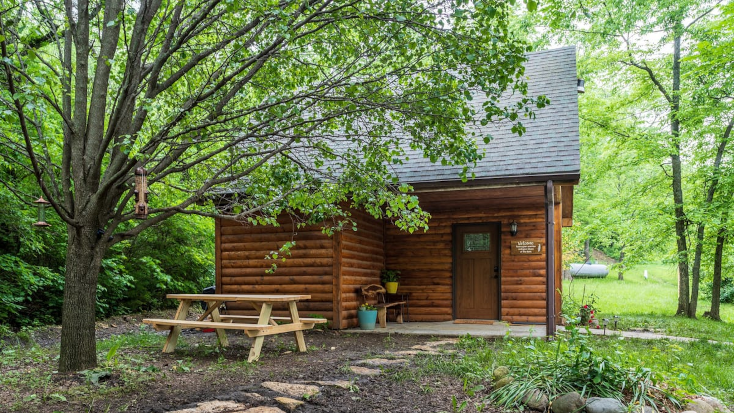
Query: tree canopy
[{"x": 295, "y": 105}]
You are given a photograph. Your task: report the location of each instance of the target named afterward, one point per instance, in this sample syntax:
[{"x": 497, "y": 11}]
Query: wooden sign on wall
[{"x": 526, "y": 247}]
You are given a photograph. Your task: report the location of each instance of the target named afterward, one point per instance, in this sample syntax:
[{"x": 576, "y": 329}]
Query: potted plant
[
  {"x": 391, "y": 278},
  {"x": 367, "y": 315}
]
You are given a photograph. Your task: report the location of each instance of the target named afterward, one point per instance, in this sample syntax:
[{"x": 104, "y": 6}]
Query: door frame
[{"x": 454, "y": 228}]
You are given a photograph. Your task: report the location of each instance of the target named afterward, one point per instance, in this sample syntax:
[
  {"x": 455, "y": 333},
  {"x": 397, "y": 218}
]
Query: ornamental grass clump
[{"x": 571, "y": 364}]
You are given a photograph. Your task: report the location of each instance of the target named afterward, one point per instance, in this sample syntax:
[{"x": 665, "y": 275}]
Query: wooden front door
[{"x": 476, "y": 271}]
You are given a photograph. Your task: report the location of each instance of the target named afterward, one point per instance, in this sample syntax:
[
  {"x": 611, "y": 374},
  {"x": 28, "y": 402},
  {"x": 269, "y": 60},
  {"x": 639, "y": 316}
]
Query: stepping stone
[
  {"x": 214, "y": 406},
  {"x": 288, "y": 403},
  {"x": 441, "y": 342},
  {"x": 406, "y": 353},
  {"x": 293, "y": 390},
  {"x": 382, "y": 362},
  {"x": 263, "y": 409},
  {"x": 431, "y": 349},
  {"x": 364, "y": 371},
  {"x": 425, "y": 348},
  {"x": 335, "y": 383}
]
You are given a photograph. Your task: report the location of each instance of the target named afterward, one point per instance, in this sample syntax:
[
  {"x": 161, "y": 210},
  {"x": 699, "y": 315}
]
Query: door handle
[{"x": 496, "y": 271}]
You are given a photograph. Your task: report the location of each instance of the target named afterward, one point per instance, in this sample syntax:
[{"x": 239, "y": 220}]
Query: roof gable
[{"x": 550, "y": 146}]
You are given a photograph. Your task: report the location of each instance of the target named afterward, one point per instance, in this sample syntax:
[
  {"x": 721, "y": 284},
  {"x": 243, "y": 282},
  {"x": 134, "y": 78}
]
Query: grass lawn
[{"x": 650, "y": 303}]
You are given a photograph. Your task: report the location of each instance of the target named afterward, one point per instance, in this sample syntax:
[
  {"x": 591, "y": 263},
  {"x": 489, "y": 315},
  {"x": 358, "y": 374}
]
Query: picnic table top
[{"x": 241, "y": 297}]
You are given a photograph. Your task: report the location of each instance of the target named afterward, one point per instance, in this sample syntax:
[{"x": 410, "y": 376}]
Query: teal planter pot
[{"x": 367, "y": 319}]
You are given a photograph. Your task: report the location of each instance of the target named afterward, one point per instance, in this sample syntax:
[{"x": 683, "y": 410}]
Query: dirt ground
[{"x": 143, "y": 379}]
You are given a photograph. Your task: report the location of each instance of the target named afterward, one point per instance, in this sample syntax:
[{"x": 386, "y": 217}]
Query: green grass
[{"x": 650, "y": 304}]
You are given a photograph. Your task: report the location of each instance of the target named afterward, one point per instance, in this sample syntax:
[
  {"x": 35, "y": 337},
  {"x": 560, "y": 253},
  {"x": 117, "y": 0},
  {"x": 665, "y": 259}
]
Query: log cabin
[{"x": 493, "y": 250}]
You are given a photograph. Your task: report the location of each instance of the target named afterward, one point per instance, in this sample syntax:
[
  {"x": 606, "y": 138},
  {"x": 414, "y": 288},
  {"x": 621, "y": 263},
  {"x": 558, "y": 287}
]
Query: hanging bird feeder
[
  {"x": 41, "y": 204},
  {"x": 141, "y": 193}
]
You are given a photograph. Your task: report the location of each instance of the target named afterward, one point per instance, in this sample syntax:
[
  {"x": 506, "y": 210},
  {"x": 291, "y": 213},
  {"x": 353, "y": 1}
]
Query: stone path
[
  {"x": 294, "y": 395},
  {"x": 646, "y": 335}
]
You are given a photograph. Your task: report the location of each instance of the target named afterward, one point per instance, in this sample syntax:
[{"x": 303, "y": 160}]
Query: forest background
[{"x": 657, "y": 169}]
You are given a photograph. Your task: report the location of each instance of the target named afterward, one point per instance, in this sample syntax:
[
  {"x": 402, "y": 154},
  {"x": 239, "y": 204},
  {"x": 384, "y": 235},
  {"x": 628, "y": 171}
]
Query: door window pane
[{"x": 476, "y": 242}]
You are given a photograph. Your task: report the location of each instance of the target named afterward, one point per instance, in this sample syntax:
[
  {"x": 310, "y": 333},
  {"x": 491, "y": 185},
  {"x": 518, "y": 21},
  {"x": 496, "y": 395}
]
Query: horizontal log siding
[
  {"x": 241, "y": 267},
  {"x": 362, "y": 259},
  {"x": 425, "y": 262}
]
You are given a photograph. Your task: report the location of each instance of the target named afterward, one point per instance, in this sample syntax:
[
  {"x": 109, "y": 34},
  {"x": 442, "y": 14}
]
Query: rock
[
  {"x": 535, "y": 400},
  {"x": 293, "y": 390},
  {"x": 503, "y": 382},
  {"x": 215, "y": 406},
  {"x": 699, "y": 406},
  {"x": 382, "y": 362},
  {"x": 425, "y": 348},
  {"x": 288, "y": 403},
  {"x": 716, "y": 404},
  {"x": 648, "y": 409},
  {"x": 364, "y": 371},
  {"x": 335, "y": 383},
  {"x": 604, "y": 405},
  {"x": 240, "y": 396},
  {"x": 263, "y": 409},
  {"x": 500, "y": 372},
  {"x": 568, "y": 403},
  {"x": 409, "y": 353}
]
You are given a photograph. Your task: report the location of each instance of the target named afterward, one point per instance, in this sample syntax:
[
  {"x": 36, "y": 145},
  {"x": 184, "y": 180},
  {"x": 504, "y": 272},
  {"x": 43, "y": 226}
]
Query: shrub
[{"x": 571, "y": 364}]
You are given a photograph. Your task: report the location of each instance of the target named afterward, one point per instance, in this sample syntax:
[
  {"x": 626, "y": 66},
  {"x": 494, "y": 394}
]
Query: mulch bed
[{"x": 202, "y": 372}]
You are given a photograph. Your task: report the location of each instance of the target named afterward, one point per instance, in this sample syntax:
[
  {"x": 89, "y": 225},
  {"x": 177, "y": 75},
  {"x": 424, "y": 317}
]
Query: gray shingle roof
[{"x": 550, "y": 146}]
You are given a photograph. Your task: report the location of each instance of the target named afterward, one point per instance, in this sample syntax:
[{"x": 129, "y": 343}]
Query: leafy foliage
[{"x": 568, "y": 364}]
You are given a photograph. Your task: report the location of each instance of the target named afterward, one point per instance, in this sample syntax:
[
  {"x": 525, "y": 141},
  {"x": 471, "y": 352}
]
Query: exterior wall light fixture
[{"x": 513, "y": 228}]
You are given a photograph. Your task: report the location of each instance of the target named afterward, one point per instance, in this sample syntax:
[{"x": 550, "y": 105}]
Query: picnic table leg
[
  {"x": 299, "y": 333},
  {"x": 257, "y": 342},
  {"x": 258, "y": 308},
  {"x": 181, "y": 313},
  {"x": 221, "y": 334}
]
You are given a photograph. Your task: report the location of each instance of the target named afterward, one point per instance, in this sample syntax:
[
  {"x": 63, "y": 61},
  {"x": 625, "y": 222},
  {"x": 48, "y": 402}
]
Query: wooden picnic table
[{"x": 264, "y": 324}]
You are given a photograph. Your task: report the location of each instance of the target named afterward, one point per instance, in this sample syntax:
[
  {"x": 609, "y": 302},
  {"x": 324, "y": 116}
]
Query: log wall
[
  {"x": 362, "y": 257},
  {"x": 242, "y": 269},
  {"x": 425, "y": 260}
]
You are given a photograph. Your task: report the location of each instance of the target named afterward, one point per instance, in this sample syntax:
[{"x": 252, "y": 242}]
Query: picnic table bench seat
[
  {"x": 165, "y": 324},
  {"x": 254, "y": 317}
]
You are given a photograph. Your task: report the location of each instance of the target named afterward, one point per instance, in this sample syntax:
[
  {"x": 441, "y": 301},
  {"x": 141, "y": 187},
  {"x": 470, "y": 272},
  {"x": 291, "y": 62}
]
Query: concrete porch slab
[{"x": 448, "y": 328}]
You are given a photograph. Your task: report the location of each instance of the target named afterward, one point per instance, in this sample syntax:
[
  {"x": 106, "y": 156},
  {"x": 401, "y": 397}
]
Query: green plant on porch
[
  {"x": 390, "y": 276},
  {"x": 367, "y": 307}
]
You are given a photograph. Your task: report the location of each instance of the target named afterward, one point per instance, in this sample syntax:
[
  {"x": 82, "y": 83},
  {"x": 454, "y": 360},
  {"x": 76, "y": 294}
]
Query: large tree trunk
[
  {"x": 713, "y": 313},
  {"x": 680, "y": 216},
  {"x": 83, "y": 260}
]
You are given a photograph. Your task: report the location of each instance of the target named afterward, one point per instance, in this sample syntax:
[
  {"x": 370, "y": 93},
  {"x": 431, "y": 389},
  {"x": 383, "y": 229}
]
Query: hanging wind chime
[
  {"x": 41, "y": 204},
  {"x": 141, "y": 193}
]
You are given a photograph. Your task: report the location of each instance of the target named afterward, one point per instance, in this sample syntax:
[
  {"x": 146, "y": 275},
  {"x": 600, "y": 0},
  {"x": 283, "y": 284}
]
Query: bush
[
  {"x": 571, "y": 364},
  {"x": 29, "y": 294},
  {"x": 727, "y": 290}
]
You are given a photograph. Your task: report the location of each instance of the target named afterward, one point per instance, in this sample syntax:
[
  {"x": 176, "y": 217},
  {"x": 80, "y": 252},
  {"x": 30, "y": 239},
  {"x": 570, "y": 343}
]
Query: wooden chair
[{"x": 377, "y": 292}]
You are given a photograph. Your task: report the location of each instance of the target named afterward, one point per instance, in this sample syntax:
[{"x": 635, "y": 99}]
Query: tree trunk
[
  {"x": 696, "y": 271},
  {"x": 83, "y": 260},
  {"x": 620, "y": 273},
  {"x": 680, "y": 216},
  {"x": 587, "y": 251},
  {"x": 713, "y": 313}
]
